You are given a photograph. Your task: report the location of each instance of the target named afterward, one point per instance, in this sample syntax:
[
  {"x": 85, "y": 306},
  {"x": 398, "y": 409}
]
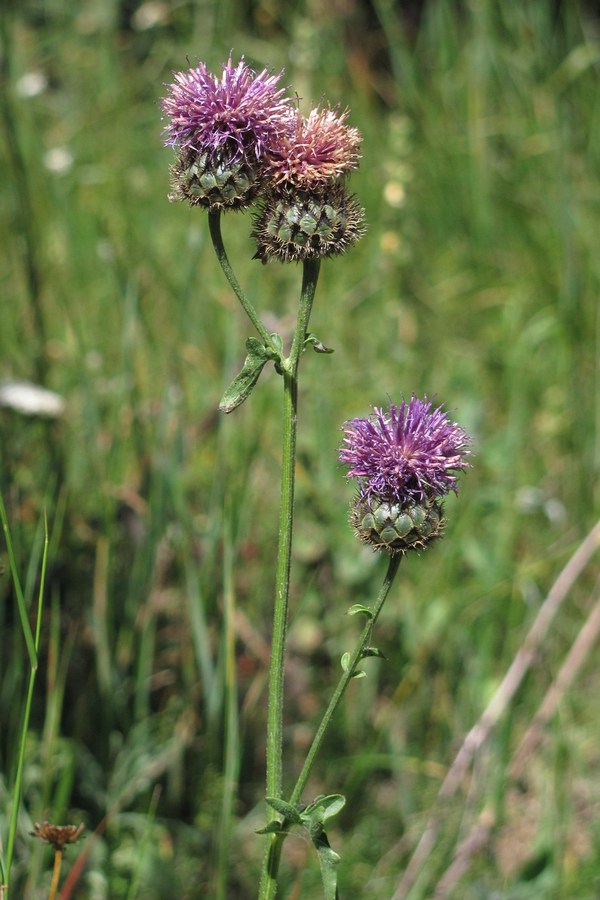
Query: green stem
[
  {"x": 21, "y": 605},
  {"x": 16, "y": 799},
  {"x": 214, "y": 225},
  {"x": 280, "y": 614},
  {"x": 273, "y": 855},
  {"x": 232, "y": 736},
  {"x": 346, "y": 677}
]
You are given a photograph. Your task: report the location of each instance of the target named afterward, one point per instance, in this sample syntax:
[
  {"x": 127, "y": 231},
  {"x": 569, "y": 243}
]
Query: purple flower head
[
  {"x": 316, "y": 150},
  {"x": 241, "y": 114},
  {"x": 407, "y": 455}
]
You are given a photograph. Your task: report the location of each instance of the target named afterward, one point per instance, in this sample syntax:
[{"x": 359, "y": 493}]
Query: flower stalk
[
  {"x": 286, "y": 515},
  {"x": 214, "y": 225},
  {"x": 273, "y": 855}
]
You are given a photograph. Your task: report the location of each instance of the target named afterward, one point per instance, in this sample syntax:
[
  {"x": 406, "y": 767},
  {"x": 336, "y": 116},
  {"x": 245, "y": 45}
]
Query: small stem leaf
[
  {"x": 317, "y": 346},
  {"x": 372, "y": 651},
  {"x": 286, "y": 810},
  {"x": 359, "y": 608},
  {"x": 277, "y": 342},
  {"x": 325, "y": 806},
  {"x": 273, "y": 827},
  {"x": 345, "y": 663},
  {"x": 328, "y": 862},
  {"x": 242, "y": 385}
]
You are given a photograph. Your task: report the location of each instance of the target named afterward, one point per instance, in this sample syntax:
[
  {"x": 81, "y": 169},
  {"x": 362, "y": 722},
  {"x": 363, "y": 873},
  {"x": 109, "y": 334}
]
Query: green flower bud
[
  {"x": 297, "y": 224},
  {"x": 216, "y": 184},
  {"x": 396, "y": 528}
]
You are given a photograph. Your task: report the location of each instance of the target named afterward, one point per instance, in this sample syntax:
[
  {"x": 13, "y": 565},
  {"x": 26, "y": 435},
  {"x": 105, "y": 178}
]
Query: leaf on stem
[
  {"x": 373, "y": 651},
  {"x": 317, "y": 346},
  {"x": 328, "y": 862},
  {"x": 242, "y": 385},
  {"x": 358, "y": 673},
  {"x": 286, "y": 810},
  {"x": 313, "y": 819},
  {"x": 323, "y": 807},
  {"x": 273, "y": 827},
  {"x": 359, "y": 608}
]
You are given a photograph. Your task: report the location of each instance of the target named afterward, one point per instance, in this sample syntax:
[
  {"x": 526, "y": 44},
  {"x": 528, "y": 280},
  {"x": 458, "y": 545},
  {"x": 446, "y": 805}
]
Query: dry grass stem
[{"x": 479, "y": 734}]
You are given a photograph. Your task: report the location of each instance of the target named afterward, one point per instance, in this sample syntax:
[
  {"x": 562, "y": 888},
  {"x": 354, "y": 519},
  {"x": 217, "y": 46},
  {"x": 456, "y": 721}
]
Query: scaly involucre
[
  {"x": 316, "y": 150},
  {"x": 409, "y": 454},
  {"x": 242, "y": 113}
]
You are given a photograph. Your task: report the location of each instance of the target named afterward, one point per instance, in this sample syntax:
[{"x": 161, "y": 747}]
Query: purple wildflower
[
  {"x": 407, "y": 455},
  {"x": 239, "y": 115}
]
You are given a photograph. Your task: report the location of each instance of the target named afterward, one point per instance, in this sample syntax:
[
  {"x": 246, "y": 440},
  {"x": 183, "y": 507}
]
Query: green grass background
[{"x": 477, "y": 284}]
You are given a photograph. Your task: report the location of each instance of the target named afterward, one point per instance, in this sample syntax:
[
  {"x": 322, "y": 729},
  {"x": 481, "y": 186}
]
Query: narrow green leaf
[
  {"x": 284, "y": 809},
  {"x": 273, "y": 827},
  {"x": 242, "y": 385},
  {"x": 21, "y": 606},
  {"x": 328, "y": 862},
  {"x": 331, "y": 805},
  {"x": 346, "y": 662},
  {"x": 322, "y": 808},
  {"x": 276, "y": 338},
  {"x": 359, "y": 608}
]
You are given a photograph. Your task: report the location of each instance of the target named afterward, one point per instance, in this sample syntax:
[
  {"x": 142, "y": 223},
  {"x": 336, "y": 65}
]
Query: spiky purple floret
[
  {"x": 411, "y": 453},
  {"x": 242, "y": 112}
]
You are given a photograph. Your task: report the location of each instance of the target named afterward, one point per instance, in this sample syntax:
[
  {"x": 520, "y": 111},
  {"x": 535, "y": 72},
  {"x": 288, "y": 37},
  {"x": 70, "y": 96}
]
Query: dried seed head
[
  {"x": 315, "y": 151},
  {"x": 57, "y": 835}
]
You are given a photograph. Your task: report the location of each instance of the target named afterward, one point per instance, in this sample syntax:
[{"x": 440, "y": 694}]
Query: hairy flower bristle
[
  {"x": 410, "y": 453},
  {"x": 315, "y": 150},
  {"x": 241, "y": 114}
]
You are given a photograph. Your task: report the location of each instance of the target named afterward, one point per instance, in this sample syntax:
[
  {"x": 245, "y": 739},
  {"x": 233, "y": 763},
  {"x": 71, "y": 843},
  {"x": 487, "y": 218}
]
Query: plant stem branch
[
  {"x": 280, "y": 614},
  {"x": 58, "y": 855},
  {"x": 288, "y": 466},
  {"x": 273, "y": 856},
  {"x": 214, "y": 224},
  {"x": 345, "y": 678}
]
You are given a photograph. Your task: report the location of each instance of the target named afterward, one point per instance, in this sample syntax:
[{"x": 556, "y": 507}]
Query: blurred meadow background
[{"x": 477, "y": 284}]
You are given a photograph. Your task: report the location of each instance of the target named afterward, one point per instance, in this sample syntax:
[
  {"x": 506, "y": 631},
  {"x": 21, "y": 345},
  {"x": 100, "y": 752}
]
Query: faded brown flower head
[
  {"x": 315, "y": 151},
  {"x": 57, "y": 835}
]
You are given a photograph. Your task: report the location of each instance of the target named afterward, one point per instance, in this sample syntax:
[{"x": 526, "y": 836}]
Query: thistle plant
[{"x": 240, "y": 143}]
